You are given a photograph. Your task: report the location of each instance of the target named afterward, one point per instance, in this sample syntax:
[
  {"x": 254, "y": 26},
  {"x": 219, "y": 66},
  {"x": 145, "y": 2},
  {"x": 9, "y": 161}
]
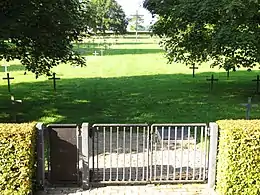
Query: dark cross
[
  {"x": 8, "y": 78},
  {"x": 193, "y": 69},
  {"x": 257, "y": 83},
  {"x": 212, "y": 81},
  {"x": 14, "y": 102},
  {"x": 248, "y": 106},
  {"x": 54, "y": 80}
]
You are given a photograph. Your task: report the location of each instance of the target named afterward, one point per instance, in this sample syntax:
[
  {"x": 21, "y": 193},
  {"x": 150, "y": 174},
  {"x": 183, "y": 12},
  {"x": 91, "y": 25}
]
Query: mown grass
[{"x": 132, "y": 83}]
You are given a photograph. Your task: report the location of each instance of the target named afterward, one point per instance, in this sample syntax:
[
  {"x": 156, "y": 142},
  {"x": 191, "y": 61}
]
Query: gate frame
[
  {"x": 213, "y": 149},
  {"x": 83, "y": 141}
]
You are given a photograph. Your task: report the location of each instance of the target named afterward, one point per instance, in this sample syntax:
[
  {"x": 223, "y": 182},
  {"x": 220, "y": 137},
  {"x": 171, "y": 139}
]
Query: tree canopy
[
  {"x": 109, "y": 16},
  {"x": 227, "y": 33},
  {"x": 40, "y": 33}
]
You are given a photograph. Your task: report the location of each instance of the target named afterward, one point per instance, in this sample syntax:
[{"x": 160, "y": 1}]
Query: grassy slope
[{"x": 132, "y": 83}]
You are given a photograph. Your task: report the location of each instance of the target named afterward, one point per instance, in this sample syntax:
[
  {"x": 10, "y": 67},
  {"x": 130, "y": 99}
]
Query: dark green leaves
[
  {"x": 40, "y": 33},
  {"x": 109, "y": 16},
  {"x": 194, "y": 31}
]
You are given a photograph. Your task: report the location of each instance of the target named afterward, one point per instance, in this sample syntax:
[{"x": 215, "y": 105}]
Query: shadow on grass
[
  {"x": 89, "y": 51},
  {"x": 140, "y": 99},
  {"x": 13, "y": 68},
  {"x": 91, "y": 44},
  {"x": 139, "y": 37}
]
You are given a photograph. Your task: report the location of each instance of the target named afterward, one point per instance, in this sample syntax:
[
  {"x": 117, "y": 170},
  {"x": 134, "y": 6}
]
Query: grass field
[{"x": 131, "y": 83}]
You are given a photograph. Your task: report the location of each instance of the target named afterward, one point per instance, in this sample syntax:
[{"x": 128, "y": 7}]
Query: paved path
[{"x": 189, "y": 189}]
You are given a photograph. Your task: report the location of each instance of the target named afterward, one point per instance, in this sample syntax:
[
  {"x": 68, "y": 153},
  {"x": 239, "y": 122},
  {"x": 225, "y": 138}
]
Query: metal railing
[
  {"x": 119, "y": 152},
  {"x": 180, "y": 152},
  {"x": 123, "y": 153}
]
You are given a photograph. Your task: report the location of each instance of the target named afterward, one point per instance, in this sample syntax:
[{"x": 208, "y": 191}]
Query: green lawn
[{"x": 132, "y": 83}]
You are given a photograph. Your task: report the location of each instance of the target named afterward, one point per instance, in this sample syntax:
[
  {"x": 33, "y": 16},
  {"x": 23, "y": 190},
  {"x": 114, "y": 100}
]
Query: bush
[
  {"x": 17, "y": 158},
  {"x": 238, "y": 167}
]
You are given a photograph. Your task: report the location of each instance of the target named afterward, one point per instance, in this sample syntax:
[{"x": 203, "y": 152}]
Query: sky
[{"x": 130, "y": 7}]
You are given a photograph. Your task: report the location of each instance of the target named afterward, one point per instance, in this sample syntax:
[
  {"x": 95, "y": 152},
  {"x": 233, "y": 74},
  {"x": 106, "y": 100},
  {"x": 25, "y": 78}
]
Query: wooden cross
[
  {"x": 101, "y": 52},
  {"x": 212, "y": 81},
  {"x": 95, "y": 53},
  {"x": 248, "y": 106},
  {"x": 136, "y": 23},
  {"x": 5, "y": 65},
  {"x": 8, "y": 78},
  {"x": 54, "y": 78},
  {"x": 193, "y": 69},
  {"x": 257, "y": 83}
]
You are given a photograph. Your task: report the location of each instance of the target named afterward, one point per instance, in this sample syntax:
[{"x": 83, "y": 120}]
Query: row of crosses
[
  {"x": 54, "y": 78},
  {"x": 194, "y": 67},
  {"x": 8, "y": 78}
]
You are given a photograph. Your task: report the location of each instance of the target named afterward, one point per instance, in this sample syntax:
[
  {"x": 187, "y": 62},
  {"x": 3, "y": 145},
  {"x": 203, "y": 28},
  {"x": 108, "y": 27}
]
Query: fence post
[
  {"x": 213, "y": 154},
  {"x": 85, "y": 156},
  {"x": 40, "y": 172}
]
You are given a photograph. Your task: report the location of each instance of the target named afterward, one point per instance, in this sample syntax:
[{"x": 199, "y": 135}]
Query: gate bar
[{"x": 84, "y": 156}]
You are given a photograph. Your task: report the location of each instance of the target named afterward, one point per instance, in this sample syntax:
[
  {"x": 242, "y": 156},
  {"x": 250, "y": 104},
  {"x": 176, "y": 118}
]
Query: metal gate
[{"x": 142, "y": 153}]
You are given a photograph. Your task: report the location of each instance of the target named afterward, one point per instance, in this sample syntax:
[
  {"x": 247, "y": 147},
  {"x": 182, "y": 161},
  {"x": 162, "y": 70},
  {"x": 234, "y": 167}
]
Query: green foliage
[
  {"x": 136, "y": 22},
  {"x": 238, "y": 168},
  {"x": 108, "y": 16},
  {"x": 195, "y": 31},
  {"x": 40, "y": 33},
  {"x": 17, "y": 159}
]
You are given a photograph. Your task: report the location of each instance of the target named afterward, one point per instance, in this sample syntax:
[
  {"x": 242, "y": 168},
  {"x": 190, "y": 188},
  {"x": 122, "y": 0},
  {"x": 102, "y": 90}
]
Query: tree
[
  {"x": 40, "y": 33},
  {"x": 109, "y": 16},
  {"x": 136, "y": 23},
  {"x": 195, "y": 31}
]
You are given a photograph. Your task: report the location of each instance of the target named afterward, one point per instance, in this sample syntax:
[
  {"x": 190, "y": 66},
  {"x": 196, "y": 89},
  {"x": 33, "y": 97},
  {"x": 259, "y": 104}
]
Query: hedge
[
  {"x": 238, "y": 166},
  {"x": 17, "y": 158}
]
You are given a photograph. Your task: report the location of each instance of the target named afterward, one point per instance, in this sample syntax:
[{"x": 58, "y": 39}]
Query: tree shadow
[
  {"x": 13, "y": 68},
  {"x": 101, "y": 43},
  {"x": 91, "y": 50},
  {"x": 176, "y": 98},
  {"x": 133, "y": 51}
]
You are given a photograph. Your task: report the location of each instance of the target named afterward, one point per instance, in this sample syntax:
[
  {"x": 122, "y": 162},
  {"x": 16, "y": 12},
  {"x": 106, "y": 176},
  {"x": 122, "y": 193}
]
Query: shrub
[
  {"x": 238, "y": 167},
  {"x": 17, "y": 158}
]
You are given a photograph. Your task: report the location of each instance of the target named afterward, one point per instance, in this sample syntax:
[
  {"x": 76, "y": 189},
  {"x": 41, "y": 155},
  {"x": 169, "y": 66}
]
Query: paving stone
[{"x": 134, "y": 190}]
